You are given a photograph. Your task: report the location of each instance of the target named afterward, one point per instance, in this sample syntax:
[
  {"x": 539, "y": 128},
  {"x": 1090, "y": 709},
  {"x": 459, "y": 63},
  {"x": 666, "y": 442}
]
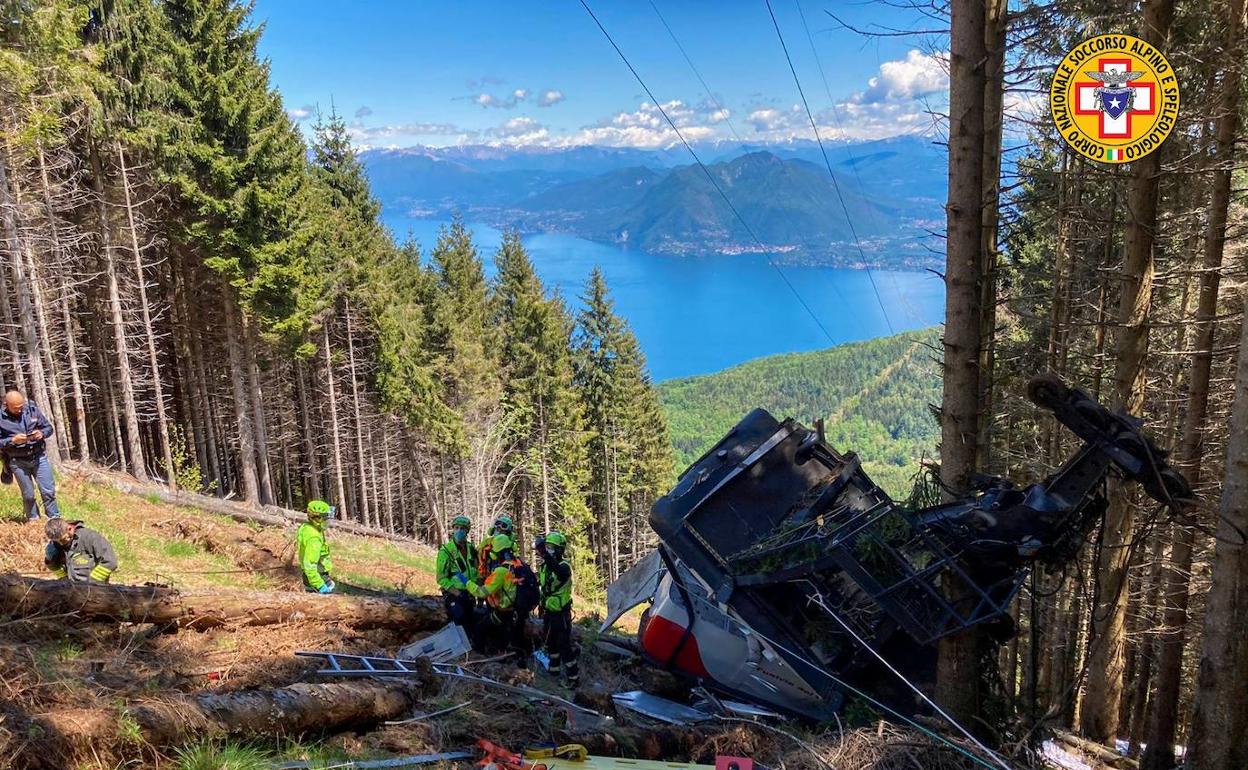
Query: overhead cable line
[
  {"x": 853, "y": 159},
  {"x": 710, "y": 95},
  {"x": 707, "y": 172},
  {"x": 828, "y": 163}
]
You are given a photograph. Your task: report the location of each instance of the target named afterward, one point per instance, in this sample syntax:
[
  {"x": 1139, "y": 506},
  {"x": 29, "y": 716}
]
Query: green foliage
[
  {"x": 186, "y": 471},
  {"x": 875, "y": 396},
  {"x": 210, "y": 755}
]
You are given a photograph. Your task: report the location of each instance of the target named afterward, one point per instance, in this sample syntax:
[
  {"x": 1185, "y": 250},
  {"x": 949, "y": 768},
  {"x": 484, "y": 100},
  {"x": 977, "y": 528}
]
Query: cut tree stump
[{"x": 32, "y": 597}]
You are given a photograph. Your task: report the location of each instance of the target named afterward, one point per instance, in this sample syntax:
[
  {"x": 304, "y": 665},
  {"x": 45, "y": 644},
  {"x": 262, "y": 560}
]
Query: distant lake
[{"x": 694, "y": 315}]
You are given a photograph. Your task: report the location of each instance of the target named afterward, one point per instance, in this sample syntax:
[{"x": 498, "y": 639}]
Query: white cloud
[
  {"x": 550, "y": 97},
  {"x": 300, "y": 114},
  {"x": 916, "y": 76},
  {"x": 366, "y": 137},
  {"x": 521, "y": 131},
  {"x": 511, "y": 101}
]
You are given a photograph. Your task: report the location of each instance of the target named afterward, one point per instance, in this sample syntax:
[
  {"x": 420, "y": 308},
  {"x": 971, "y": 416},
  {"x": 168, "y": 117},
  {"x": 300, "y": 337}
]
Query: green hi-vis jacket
[
  {"x": 500, "y": 587},
  {"x": 313, "y": 551},
  {"x": 88, "y": 557},
  {"x": 556, "y": 585},
  {"x": 452, "y": 560}
]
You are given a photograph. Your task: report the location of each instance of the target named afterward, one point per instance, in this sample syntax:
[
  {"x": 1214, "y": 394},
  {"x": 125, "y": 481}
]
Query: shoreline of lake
[{"x": 701, "y": 314}]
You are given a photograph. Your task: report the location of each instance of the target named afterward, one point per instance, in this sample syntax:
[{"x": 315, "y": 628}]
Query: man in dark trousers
[
  {"x": 78, "y": 554},
  {"x": 24, "y": 432},
  {"x": 554, "y": 576},
  {"x": 456, "y": 567}
]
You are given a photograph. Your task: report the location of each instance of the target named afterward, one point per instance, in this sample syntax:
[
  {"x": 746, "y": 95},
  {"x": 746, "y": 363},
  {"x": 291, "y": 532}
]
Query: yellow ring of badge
[{"x": 1114, "y": 98}]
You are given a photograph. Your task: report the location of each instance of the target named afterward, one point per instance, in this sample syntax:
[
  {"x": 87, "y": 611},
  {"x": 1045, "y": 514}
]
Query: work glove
[
  {"x": 326, "y": 588},
  {"x": 332, "y": 585}
]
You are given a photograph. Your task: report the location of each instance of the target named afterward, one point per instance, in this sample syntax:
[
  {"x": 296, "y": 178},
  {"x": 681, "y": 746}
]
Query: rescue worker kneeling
[
  {"x": 78, "y": 554},
  {"x": 313, "y": 550},
  {"x": 508, "y": 586},
  {"x": 457, "y": 564},
  {"x": 554, "y": 577}
]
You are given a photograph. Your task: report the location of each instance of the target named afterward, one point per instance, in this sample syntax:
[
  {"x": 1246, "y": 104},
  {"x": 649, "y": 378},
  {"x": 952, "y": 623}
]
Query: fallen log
[
  {"x": 1102, "y": 754},
  {"x": 286, "y": 711},
  {"x": 241, "y": 549},
  {"x": 33, "y": 597},
  {"x": 270, "y": 514}
]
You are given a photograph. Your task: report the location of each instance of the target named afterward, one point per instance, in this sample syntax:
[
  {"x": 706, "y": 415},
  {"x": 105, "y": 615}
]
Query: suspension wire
[
  {"x": 710, "y": 95},
  {"x": 711, "y": 178},
  {"x": 690, "y": 596},
  {"x": 828, "y": 163},
  {"x": 817, "y": 598},
  {"x": 853, "y": 159}
]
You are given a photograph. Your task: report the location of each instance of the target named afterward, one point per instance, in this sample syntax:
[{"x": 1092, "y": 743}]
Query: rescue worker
[
  {"x": 505, "y": 590},
  {"x": 78, "y": 554},
  {"x": 501, "y": 526},
  {"x": 313, "y": 550},
  {"x": 457, "y": 563},
  {"x": 554, "y": 578},
  {"x": 24, "y": 434}
]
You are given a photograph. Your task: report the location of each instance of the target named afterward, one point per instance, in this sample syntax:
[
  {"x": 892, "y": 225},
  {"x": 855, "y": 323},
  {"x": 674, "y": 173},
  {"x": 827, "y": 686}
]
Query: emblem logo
[{"x": 1114, "y": 98}]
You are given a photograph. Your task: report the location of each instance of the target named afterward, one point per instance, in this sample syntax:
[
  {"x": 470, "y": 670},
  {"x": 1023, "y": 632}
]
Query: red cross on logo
[{"x": 1108, "y": 128}]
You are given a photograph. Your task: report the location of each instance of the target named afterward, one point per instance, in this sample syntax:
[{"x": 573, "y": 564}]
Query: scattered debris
[
  {"x": 378, "y": 764},
  {"x": 430, "y": 715},
  {"x": 662, "y": 709},
  {"x": 448, "y": 644}
]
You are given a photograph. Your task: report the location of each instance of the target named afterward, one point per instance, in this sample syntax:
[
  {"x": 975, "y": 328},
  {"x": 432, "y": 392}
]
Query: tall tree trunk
[
  {"x": 24, "y": 287},
  {"x": 958, "y": 686},
  {"x": 153, "y": 360},
  {"x": 365, "y": 513},
  {"x": 334, "y": 433},
  {"x": 260, "y": 429},
  {"x": 312, "y": 471},
  {"x": 994, "y": 96},
  {"x": 75, "y": 377},
  {"x": 1159, "y": 753},
  {"x": 1099, "y": 718},
  {"x": 250, "y": 491},
  {"x": 136, "y": 462},
  {"x": 1220, "y": 716}
]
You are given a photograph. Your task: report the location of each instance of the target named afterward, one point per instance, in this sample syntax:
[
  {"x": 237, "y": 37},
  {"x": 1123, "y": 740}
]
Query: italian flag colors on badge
[{"x": 1112, "y": 154}]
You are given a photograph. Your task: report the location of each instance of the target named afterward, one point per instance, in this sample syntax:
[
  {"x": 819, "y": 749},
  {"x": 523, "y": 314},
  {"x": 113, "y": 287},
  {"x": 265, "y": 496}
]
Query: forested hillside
[
  {"x": 195, "y": 295},
  {"x": 876, "y": 398}
]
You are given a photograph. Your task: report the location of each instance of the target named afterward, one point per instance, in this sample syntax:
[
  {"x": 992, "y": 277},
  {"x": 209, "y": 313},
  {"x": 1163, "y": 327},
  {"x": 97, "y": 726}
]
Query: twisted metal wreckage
[{"x": 786, "y": 578}]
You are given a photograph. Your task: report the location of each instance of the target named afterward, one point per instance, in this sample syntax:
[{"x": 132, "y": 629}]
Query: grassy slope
[
  {"x": 139, "y": 531},
  {"x": 874, "y": 395}
]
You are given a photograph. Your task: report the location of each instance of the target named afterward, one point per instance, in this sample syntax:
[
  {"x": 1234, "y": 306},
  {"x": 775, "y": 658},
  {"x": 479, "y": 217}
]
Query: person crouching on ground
[
  {"x": 456, "y": 566},
  {"x": 554, "y": 576},
  {"x": 24, "y": 432},
  {"x": 78, "y": 554},
  {"x": 313, "y": 550}
]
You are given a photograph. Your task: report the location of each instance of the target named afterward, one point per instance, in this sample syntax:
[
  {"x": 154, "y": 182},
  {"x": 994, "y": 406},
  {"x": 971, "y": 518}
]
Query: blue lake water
[{"x": 694, "y": 315}]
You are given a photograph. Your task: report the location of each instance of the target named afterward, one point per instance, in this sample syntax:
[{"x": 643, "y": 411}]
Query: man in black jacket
[
  {"x": 24, "y": 432},
  {"x": 78, "y": 554}
]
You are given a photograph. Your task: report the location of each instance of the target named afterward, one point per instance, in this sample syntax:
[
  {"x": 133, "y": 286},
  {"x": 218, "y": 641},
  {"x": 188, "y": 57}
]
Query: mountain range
[{"x": 891, "y": 194}]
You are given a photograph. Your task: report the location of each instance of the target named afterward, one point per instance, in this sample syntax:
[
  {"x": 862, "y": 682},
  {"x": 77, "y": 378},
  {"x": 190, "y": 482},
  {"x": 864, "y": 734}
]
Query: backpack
[{"x": 528, "y": 595}]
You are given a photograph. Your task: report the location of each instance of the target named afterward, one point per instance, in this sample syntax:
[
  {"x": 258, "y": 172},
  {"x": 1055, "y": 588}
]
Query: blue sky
[{"x": 541, "y": 73}]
